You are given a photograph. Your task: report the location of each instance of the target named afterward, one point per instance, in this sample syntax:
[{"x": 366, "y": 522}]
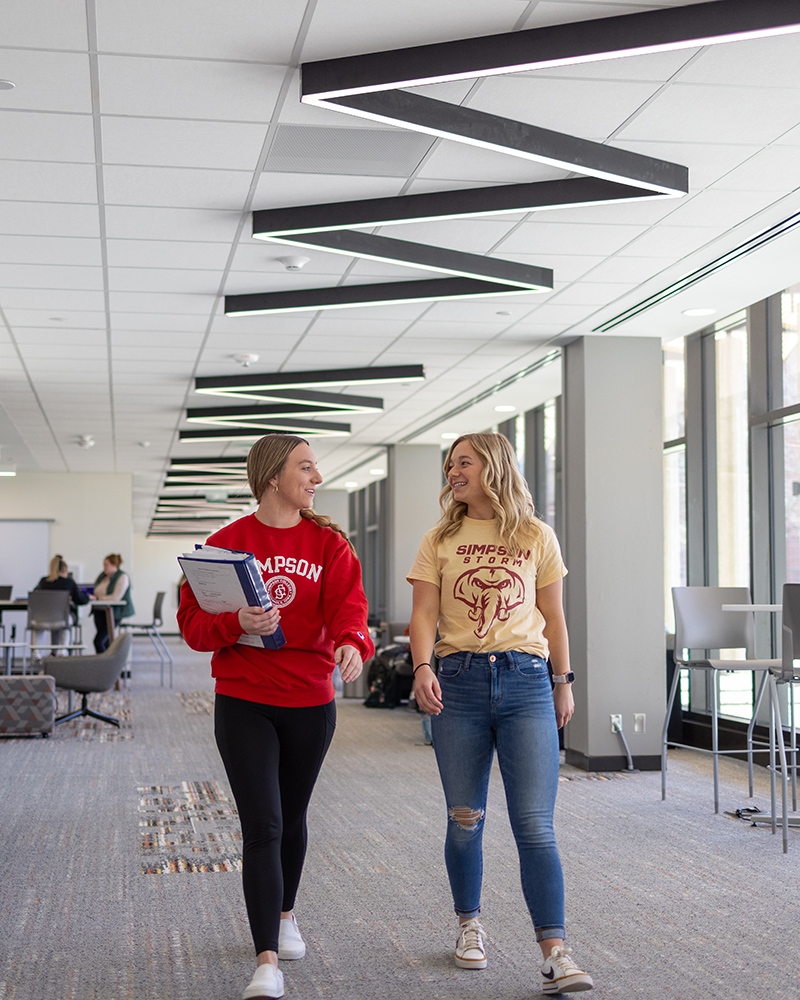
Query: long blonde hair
[
  {"x": 502, "y": 483},
  {"x": 267, "y": 460},
  {"x": 57, "y": 566}
]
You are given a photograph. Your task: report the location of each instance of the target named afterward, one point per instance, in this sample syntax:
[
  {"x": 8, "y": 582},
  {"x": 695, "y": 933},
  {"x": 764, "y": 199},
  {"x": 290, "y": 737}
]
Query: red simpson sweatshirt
[{"x": 313, "y": 577}]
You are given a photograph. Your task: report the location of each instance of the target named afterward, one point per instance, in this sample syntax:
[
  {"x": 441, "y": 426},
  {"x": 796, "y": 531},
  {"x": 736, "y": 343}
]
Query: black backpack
[{"x": 390, "y": 677}]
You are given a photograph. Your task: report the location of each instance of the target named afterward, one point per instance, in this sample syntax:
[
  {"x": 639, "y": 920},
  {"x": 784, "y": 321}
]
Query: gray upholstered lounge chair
[{"x": 86, "y": 674}]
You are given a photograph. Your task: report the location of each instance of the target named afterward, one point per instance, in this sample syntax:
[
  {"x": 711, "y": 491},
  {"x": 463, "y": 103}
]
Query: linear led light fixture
[
  {"x": 262, "y": 416},
  {"x": 309, "y": 402},
  {"x": 273, "y": 384},
  {"x": 309, "y": 428},
  {"x": 569, "y": 44}
]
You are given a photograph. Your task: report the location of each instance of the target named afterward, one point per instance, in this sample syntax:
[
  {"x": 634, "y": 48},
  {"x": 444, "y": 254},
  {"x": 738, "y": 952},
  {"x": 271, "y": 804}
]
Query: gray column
[
  {"x": 414, "y": 482},
  {"x": 334, "y": 503},
  {"x": 613, "y": 547}
]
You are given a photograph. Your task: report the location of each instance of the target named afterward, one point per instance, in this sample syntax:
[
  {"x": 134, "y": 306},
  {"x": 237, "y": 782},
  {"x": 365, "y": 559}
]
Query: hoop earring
[{"x": 274, "y": 489}]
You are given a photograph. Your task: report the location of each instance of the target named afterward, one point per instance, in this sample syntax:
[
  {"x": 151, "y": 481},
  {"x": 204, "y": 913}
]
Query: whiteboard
[{"x": 24, "y": 554}]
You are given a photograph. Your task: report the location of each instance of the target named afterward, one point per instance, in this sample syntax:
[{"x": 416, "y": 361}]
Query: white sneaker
[
  {"x": 470, "y": 952},
  {"x": 290, "y": 943},
  {"x": 561, "y": 975},
  {"x": 267, "y": 982}
]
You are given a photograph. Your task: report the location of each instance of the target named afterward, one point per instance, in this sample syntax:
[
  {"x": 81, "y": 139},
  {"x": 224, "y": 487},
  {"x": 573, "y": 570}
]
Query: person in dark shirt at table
[{"x": 57, "y": 579}]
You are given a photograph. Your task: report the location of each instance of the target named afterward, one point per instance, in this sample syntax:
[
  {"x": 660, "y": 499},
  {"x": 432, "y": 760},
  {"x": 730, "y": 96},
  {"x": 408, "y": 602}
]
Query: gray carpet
[{"x": 120, "y": 875}]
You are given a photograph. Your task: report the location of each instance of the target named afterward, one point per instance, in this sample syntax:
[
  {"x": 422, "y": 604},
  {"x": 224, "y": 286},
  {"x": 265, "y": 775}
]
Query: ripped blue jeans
[{"x": 503, "y": 701}]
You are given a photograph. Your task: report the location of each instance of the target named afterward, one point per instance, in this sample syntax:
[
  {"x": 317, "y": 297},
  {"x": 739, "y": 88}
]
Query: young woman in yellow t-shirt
[{"x": 489, "y": 578}]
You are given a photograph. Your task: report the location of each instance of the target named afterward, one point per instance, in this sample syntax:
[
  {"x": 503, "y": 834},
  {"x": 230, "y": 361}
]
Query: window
[
  {"x": 733, "y": 467},
  {"x": 790, "y": 354},
  {"x": 733, "y": 493},
  {"x": 550, "y": 429},
  {"x": 674, "y": 381}
]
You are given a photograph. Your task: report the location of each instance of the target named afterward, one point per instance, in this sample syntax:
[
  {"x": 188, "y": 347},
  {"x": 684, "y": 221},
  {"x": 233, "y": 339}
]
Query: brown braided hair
[{"x": 267, "y": 459}]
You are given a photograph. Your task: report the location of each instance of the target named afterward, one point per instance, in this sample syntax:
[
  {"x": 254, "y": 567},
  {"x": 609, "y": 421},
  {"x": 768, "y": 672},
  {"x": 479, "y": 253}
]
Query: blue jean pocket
[
  {"x": 532, "y": 666},
  {"x": 450, "y": 666}
]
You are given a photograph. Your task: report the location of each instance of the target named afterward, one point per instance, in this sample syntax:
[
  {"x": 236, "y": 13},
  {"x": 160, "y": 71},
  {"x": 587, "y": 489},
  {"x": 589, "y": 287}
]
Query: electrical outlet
[
  {"x": 616, "y": 723},
  {"x": 639, "y": 719}
]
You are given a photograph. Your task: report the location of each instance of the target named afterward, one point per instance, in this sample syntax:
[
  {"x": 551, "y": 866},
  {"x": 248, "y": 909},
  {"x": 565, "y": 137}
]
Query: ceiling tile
[
  {"x": 472, "y": 163},
  {"x": 201, "y": 29},
  {"x": 50, "y": 276},
  {"x": 175, "y": 187},
  {"x": 671, "y": 241},
  {"x": 49, "y": 250},
  {"x": 195, "y": 225},
  {"x": 47, "y": 81},
  {"x": 773, "y": 169},
  {"x": 715, "y": 114},
  {"x": 28, "y": 218},
  {"x": 56, "y": 300},
  {"x": 350, "y": 26},
  {"x": 280, "y": 190},
  {"x": 169, "y": 143},
  {"x": 563, "y": 105},
  {"x": 32, "y": 136},
  {"x": 542, "y": 237},
  {"x": 188, "y": 88},
  {"x": 164, "y": 253},
  {"x": 758, "y": 62},
  {"x": 150, "y": 279},
  {"x": 150, "y": 302},
  {"x": 70, "y": 319},
  {"x": 30, "y": 180},
  {"x": 41, "y": 24}
]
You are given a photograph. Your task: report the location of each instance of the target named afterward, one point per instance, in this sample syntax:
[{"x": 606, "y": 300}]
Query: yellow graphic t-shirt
[{"x": 488, "y": 596}]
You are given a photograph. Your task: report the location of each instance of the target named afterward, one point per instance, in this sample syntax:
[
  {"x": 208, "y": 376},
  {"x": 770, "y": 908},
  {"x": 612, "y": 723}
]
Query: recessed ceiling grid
[{"x": 185, "y": 103}]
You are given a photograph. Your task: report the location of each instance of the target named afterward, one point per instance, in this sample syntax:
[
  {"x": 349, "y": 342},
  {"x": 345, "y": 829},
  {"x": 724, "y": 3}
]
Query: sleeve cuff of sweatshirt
[
  {"x": 229, "y": 623},
  {"x": 360, "y": 640}
]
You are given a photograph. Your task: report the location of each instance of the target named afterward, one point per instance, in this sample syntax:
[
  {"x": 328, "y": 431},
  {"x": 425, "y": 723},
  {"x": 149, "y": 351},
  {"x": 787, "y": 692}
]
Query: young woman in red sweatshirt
[{"x": 275, "y": 712}]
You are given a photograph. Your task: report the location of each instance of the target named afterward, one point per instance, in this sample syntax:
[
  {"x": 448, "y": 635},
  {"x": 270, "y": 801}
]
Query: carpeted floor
[{"x": 121, "y": 870}]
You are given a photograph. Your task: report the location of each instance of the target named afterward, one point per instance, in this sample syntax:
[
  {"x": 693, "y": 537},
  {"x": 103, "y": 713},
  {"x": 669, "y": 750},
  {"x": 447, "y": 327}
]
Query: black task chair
[
  {"x": 87, "y": 674},
  {"x": 151, "y": 631}
]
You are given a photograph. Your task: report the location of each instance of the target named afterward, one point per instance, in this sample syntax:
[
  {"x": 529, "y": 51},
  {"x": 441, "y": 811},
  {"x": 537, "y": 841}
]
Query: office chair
[
  {"x": 49, "y": 610},
  {"x": 86, "y": 674},
  {"x": 701, "y": 624}
]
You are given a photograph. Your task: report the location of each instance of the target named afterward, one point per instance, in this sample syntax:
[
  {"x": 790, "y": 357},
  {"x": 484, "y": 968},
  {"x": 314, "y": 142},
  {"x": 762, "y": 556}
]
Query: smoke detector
[
  {"x": 293, "y": 263},
  {"x": 86, "y": 441},
  {"x": 245, "y": 360}
]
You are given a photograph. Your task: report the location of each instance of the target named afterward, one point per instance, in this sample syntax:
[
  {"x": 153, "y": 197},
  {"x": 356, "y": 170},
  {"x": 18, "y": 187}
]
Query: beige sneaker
[
  {"x": 561, "y": 975},
  {"x": 470, "y": 952}
]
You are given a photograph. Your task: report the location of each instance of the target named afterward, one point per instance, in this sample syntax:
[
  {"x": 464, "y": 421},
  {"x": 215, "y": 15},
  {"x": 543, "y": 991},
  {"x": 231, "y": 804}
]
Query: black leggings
[{"x": 272, "y": 757}]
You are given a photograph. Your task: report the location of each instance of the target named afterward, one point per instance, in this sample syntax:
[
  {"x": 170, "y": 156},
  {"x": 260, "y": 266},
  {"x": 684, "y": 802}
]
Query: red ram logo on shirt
[{"x": 491, "y": 592}]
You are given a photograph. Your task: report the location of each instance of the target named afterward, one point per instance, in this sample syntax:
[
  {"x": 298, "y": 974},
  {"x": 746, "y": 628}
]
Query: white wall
[{"x": 91, "y": 514}]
